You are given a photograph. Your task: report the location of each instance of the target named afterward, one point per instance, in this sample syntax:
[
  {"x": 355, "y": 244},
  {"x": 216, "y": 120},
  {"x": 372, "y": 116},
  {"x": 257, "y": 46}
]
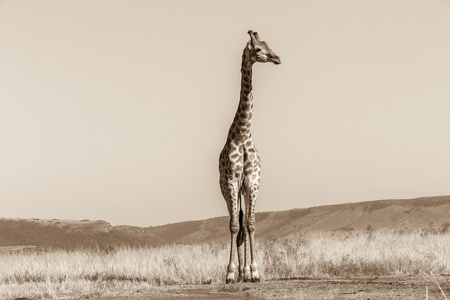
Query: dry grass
[
  {"x": 353, "y": 254},
  {"x": 126, "y": 271}
]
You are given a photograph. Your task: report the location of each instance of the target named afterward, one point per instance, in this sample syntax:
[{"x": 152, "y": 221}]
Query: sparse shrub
[
  {"x": 430, "y": 230},
  {"x": 445, "y": 228},
  {"x": 347, "y": 228},
  {"x": 102, "y": 249},
  {"x": 403, "y": 231}
]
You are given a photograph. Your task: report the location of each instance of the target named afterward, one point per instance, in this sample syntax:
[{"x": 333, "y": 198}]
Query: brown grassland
[{"x": 290, "y": 268}]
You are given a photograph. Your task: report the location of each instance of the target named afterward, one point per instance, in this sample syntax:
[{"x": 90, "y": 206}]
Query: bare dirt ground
[{"x": 423, "y": 287}]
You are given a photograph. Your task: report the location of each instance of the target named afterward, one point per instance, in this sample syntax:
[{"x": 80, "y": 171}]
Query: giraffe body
[{"x": 240, "y": 167}]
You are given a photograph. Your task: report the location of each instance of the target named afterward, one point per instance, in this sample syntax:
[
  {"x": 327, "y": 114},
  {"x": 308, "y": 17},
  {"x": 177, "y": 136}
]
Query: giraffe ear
[{"x": 257, "y": 36}]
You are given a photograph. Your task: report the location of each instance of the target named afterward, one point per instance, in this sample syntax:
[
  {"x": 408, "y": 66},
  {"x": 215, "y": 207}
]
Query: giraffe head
[{"x": 260, "y": 51}]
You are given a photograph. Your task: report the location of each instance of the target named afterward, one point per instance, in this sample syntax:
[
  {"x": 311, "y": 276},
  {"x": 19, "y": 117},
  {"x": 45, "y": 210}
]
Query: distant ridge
[{"x": 428, "y": 214}]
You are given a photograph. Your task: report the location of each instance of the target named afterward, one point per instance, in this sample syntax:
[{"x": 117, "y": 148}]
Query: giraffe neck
[{"x": 243, "y": 118}]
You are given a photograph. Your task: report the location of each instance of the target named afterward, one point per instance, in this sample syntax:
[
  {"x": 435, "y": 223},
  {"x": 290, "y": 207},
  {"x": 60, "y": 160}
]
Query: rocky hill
[{"x": 429, "y": 214}]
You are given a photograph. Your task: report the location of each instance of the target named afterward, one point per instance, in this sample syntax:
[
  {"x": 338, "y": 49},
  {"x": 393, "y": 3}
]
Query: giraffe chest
[{"x": 239, "y": 160}]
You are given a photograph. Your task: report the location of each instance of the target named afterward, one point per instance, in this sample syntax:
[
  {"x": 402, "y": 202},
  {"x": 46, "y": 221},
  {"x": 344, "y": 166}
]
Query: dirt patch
[{"x": 420, "y": 287}]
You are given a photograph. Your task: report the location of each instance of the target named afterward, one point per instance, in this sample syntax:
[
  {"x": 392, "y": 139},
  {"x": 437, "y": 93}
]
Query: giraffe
[{"x": 240, "y": 167}]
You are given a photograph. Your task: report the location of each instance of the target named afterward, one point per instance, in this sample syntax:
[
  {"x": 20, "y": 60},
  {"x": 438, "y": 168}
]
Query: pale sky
[{"x": 118, "y": 110}]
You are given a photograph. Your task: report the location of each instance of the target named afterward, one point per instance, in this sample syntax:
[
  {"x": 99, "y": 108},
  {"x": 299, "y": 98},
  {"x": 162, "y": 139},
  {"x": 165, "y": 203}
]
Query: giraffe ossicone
[{"x": 240, "y": 168}]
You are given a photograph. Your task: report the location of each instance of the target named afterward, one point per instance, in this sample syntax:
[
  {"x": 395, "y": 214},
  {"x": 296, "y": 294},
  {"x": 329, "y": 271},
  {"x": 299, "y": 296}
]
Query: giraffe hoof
[
  {"x": 247, "y": 276},
  {"x": 230, "y": 278},
  {"x": 255, "y": 277}
]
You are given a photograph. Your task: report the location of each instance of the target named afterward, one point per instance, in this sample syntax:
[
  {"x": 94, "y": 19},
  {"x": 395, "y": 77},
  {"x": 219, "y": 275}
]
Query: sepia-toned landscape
[
  {"x": 331, "y": 252},
  {"x": 137, "y": 138}
]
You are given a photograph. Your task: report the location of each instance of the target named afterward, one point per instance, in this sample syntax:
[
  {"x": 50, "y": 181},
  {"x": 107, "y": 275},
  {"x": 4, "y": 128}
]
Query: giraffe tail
[{"x": 241, "y": 233}]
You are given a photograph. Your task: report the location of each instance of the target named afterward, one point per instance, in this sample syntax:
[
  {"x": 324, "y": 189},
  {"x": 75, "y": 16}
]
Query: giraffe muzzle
[{"x": 276, "y": 60}]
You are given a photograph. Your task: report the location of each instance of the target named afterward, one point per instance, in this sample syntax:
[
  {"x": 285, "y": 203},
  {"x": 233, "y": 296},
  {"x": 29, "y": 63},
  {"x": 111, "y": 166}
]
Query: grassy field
[{"x": 127, "y": 271}]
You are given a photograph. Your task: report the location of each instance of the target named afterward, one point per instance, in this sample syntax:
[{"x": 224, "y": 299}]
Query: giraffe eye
[{"x": 257, "y": 49}]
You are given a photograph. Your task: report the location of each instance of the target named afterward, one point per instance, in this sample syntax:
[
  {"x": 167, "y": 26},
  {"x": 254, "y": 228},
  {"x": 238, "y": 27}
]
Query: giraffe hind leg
[
  {"x": 234, "y": 227},
  {"x": 241, "y": 243},
  {"x": 246, "y": 255},
  {"x": 230, "y": 195},
  {"x": 250, "y": 200}
]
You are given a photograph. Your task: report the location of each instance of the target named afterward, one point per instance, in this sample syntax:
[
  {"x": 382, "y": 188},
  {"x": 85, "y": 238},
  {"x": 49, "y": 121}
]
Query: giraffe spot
[
  {"x": 235, "y": 156},
  {"x": 251, "y": 149},
  {"x": 251, "y": 157}
]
